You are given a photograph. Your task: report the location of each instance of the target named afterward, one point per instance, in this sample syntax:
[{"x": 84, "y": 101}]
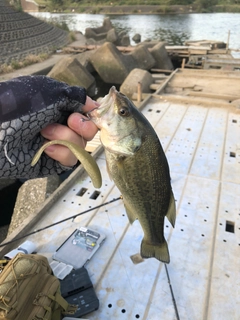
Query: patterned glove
[{"x": 27, "y": 105}]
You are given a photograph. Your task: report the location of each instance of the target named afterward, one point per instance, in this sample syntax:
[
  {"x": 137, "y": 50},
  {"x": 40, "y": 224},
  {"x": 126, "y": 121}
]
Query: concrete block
[
  {"x": 31, "y": 196},
  {"x": 142, "y": 56},
  {"x": 91, "y": 34},
  {"x": 137, "y": 38},
  {"x": 71, "y": 71},
  {"x": 112, "y": 36},
  {"x": 161, "y": 57},
  {"x": 107, "y": 24},
  {"x": 84, "y": 59},
  {"x": 130, "y": 84},
  {"x": 125, "y": 41},
  {"x": 111, "y": 65},
  {"x": 100, "y": 32}
]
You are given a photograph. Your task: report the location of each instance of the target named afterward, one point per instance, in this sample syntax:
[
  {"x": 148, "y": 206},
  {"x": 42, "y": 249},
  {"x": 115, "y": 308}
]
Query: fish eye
[{"x": 123, "y": 112}]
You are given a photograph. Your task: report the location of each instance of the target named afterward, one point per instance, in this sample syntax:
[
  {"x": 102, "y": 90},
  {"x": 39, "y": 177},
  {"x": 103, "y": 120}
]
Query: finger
[
  {"x": 90, "y": 104},
  {"x": 87, "y": 129},
  {"x": 61, "y": 153}
]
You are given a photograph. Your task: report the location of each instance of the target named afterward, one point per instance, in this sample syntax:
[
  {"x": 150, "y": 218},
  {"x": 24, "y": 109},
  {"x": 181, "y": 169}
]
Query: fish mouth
[
  {"x": 104, "y": 106},
  {"x": 88, "y": 114}
]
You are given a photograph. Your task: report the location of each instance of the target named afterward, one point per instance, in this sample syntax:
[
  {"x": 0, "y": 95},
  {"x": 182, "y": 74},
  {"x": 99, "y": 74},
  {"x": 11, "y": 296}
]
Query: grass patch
[
  {"x": 72, "y": 36},
  {"x": 29, "y": 60},
  {"x": 227, "y": 8}
]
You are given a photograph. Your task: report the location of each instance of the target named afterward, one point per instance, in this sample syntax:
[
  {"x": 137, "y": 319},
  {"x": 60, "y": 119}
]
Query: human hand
[
  {"x": 29, "y": 104},
  {"x": 79, "y": 131}
]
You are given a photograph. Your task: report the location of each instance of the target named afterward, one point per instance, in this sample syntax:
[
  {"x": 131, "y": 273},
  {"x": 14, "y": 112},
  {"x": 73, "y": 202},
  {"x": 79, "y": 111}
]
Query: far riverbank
[{"x": 140, "y": 9}]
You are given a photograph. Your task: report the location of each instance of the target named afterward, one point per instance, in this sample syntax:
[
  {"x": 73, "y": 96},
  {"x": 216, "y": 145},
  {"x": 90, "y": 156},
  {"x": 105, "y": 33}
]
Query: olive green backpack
[{"x": 29, "y": 291}]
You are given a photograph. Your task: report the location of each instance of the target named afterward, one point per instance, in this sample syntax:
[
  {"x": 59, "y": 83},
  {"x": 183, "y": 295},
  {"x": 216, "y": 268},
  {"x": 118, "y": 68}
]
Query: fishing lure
[
  {"x": 27, "y": 105},
  {"x": 87, "y": 161}
]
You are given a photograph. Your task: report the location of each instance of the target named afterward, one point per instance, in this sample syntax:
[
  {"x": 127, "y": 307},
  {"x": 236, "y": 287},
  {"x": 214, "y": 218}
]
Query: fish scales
[
  {"x": 137, "y": 164},
  {"x": 144, "y": 185}
]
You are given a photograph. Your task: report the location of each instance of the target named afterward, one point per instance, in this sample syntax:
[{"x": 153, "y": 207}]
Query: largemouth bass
[{"x": 138, "y": 166}]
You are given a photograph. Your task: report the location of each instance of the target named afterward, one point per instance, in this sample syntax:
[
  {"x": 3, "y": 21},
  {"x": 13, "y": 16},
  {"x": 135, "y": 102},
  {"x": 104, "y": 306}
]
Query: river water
[{"x": 174, "y": 29}]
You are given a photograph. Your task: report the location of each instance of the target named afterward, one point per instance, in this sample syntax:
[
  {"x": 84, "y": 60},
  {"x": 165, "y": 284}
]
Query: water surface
[{"x": 172, "y": 28}]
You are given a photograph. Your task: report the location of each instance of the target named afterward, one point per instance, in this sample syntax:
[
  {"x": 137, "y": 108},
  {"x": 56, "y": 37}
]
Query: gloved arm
[{"x": 27, "y": 105}]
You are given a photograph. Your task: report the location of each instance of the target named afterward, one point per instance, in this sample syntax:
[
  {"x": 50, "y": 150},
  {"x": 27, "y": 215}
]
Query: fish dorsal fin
[
  {"x": 171, "y": 214},
  {"x": 131, "y": 216}
]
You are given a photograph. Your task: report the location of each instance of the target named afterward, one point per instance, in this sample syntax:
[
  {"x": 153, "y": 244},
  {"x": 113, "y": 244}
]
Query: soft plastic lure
[
  {"x": 27, "y": 105},
  {"x": 87, "y": 161}
]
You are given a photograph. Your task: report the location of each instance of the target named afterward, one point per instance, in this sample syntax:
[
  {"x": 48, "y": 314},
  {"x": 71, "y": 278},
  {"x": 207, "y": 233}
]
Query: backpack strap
[
  {"x": 4, "y": 307},
  {"x": 3, "y": 263},
  {"x": 66, "y": 308}
]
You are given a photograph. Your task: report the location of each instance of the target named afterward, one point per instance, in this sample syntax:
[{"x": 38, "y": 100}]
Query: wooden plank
[
  {"x": 161, "y": 70},
  {"x": 197, "y": 51},
  {"x": 213, "y": 96},
  {"x": 144, "y": 95},
  {"x": 154, "y": 86},
  {"x": 157, "y": 76},
  {"x": 165, "y": 83}
]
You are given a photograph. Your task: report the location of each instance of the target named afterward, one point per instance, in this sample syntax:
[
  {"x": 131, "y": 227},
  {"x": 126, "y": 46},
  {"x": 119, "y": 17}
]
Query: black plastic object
[{"x": 77, "y": 289}]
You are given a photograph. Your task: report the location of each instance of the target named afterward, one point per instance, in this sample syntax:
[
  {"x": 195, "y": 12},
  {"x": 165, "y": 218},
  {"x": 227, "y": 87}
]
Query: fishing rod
[
  {"x": 172, "y": 294},
  {"x": 58, "y": 222},
  {"x": 79, "y": 214}
]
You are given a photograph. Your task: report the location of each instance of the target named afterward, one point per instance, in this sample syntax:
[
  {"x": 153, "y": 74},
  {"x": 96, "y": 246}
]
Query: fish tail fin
[
  {"x": 159, "y": 251},
  {"x": 171, "y": 214}
]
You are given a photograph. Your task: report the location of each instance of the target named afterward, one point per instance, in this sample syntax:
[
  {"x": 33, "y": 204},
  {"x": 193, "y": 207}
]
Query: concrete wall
[{"x": 22, "y": 34}]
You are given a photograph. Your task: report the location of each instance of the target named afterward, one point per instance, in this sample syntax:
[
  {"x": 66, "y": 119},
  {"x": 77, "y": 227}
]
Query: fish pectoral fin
[
  {"x": 171, "y": 214},
  {"x": 131, "y": 216},
  {"x": 87, "y": 161},
  {"x": 159, "y": 251}
]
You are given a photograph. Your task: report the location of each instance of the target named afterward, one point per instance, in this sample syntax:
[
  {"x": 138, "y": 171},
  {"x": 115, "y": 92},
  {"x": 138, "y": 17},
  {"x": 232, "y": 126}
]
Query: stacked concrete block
[
  {"x": 84, "y": 59},
  {"x": 130, "y": 84},
  {"x": 107, "y": 33},
  {"x": 36, "y": 191},
  {"x": 114, "y": 66},
  {"x": 143, "y": 58},
  {"x": 71, "y": 71},
  {"x": 111, "y": 65},
  {"x": 99, "y": 33},
  {"x": 161, "y": 57}
]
